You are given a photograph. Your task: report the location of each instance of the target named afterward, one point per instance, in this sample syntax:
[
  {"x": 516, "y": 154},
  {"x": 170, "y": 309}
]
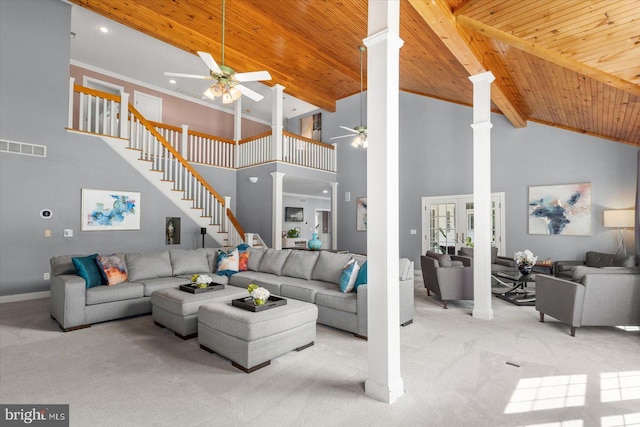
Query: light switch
[
  {"x": 347, "y": 196},
  {"x": 47, "y": 233},
  {"x": 68, "y": 232},
  {"x": 413, "y": 232}
]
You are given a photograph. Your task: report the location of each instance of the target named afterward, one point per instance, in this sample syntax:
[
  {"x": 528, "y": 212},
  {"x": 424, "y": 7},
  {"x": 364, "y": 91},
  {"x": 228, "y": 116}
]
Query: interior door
[{"x": 149, "y": 106}]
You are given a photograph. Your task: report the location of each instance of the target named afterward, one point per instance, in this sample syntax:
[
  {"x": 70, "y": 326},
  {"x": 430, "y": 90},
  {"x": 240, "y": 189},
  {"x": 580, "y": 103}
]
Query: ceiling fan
[
  {"x": 226, "y": 80},
  {"x": 359, "y": 133}
]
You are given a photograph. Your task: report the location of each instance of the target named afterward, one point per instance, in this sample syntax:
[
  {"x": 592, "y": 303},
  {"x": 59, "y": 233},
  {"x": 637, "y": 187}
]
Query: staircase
[{"x": 138, "y": 142}]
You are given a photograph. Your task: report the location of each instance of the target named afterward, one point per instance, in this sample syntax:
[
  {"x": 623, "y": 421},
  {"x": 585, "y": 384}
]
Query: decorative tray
[
  {"x": 193, "y": 290},
  {"x": 247, "y": 303}
]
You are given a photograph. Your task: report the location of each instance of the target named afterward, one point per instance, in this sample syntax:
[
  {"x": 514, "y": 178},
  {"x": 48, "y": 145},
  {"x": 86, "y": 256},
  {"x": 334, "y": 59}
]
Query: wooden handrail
[
  {"x": 235, "y": 223},
  {"x": 311, "y": 141},
  {"x": 164, "y": 126},
  {"x": 95, "y": 92},
  {"x": 217, "y": 138},
  {"x": 175, "y": 153},
  {"x": 262, "y": 135}
]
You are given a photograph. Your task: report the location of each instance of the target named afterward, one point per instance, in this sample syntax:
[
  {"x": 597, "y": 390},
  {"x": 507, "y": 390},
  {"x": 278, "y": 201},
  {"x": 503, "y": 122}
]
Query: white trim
[
  {"x": 308, "y": 196},
  {"x": 24, "y": 297},
  {"x": 87, "y": 80},
  {"x": 165, "y": 91}
]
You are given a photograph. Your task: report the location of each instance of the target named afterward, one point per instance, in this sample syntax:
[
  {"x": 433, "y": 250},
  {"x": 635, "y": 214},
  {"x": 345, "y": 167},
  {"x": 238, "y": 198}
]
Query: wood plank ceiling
[{"x": 573, "y": 64}]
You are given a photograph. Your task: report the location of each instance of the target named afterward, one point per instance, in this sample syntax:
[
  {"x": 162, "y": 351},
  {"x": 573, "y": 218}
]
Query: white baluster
[
  {"x": 124, "y": 115},
  {"x": 72, "y": 82}
]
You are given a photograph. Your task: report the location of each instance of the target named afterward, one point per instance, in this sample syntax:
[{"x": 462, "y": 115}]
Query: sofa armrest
[
  {"x": 362, "y": 309},
  {"x": 68, "y": 300},
  {"x": 560, "y": 298},
  {"x": 560, "y": 267},
  {"x": 455, "y": 282},
  {"x": 466, "y": 261}
]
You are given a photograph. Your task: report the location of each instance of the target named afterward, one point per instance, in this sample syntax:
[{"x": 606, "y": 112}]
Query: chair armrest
[
  {"x": 455, "y": 282},
  {"x": 465, "y": 260},
  {"x": 506, "y": 261},
  {"x": 560, "y": 298},
  {"x": 559, "y": 266}
]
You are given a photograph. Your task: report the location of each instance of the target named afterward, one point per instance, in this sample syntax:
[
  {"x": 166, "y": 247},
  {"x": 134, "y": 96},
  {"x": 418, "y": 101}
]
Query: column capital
[
  {"x": 487, "y": 76},
  {"x": 386, "y": 34}
]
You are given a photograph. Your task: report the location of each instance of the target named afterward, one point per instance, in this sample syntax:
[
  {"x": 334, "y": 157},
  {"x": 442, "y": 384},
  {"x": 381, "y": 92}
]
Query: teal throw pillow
[
  {"x": 349, "y": 276},
  {"x": 362, "y": 276},
  {"x": 87, "y": 268},
  {"x": 228, "y": 263}
]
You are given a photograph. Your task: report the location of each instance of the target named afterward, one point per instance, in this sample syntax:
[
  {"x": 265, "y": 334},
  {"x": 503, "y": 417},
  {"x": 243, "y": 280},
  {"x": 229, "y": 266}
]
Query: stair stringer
[{"x": 132, "y": 157}]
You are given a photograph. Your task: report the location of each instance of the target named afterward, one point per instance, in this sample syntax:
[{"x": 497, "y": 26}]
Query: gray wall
[
  {"x": 33, "y": 109},
  {"x": 436, "y": 160}
]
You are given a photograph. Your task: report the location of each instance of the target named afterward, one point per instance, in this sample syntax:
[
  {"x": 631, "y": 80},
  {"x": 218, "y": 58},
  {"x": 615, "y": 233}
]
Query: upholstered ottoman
[
  {"x": 251, "y": 339},
  {"x": 178, "y": 310}
]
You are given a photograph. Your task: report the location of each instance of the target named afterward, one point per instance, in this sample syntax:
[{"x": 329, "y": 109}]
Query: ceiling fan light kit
[{"x": 226, "y": 81}]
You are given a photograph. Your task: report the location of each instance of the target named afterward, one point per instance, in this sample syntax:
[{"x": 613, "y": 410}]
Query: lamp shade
[{"x": 623, "y": 218}]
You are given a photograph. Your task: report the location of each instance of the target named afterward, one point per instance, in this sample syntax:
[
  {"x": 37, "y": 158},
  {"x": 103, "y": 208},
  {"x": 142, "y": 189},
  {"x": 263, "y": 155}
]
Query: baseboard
[{"x": 25, "y": 297}]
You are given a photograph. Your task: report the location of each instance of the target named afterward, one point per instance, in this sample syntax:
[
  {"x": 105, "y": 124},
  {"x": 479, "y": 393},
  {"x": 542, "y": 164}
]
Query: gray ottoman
[
  {"x": 249, "y": 339},
  {"x": 178, "y": 310}
]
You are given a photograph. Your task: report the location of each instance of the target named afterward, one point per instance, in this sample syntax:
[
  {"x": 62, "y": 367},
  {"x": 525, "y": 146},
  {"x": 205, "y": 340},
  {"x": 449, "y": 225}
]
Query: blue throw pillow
[
  {"x": 87, "y": 268},
  {"x": 243, "y": 247},
  {"x": 362, "y": 276},
  {"x": 349, "y": 276},
  {"x": 228, "y": 263}
]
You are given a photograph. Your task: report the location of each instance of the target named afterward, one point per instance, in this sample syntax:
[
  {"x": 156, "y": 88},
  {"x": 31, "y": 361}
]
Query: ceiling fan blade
[
  {"x": 253, "y": 76},
  {"x": 349, "y": 129},
  {"x": 342, "y": 136},
  {"x": 249, "y": 93},
  {"x": 211, "y": 63},
  {"x": 189, "y": 76}
]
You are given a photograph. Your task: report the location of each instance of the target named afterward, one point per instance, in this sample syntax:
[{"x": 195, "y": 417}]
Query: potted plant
[{"x": 293, "y": 233}]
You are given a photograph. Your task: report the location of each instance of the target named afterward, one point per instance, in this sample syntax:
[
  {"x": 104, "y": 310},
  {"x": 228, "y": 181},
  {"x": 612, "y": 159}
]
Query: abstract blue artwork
[
  {"x": 110, "y": 210},
  {"x": 560, "y": 209},
  {"x": 361, "y": 214}
]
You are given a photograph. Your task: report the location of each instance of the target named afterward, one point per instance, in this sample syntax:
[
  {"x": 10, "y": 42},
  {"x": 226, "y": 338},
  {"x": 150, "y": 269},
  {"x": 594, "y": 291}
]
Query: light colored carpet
[{"x": 457, "y": 370}]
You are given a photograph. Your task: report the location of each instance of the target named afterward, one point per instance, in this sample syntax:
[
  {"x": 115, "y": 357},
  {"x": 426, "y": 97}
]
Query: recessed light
[
  {"x": 103, "y": 29},
  {"x": 325, "y": 191},
  {"x": 172, "y": 81}
]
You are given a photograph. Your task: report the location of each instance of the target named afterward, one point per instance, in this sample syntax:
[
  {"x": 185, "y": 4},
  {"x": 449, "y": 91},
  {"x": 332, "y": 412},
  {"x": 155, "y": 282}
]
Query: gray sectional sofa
[{"x": 309, "y": 276}]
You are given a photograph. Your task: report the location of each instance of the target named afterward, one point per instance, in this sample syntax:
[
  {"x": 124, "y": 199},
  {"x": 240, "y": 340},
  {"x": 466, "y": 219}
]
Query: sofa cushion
[
  {"x": 300, "y": 264},
  {"x": 113, "y": 269},
  {"x": 329, "y": 266},
  {"x": 349, "y": 276},
  {"x": 188, "y": 261},
  {"x": 124, "y": 291},
  {"x": 579, "y": 271},
  {"x": 87, "y": 268},
  {"x": 337, "y": 300},
  {"x": 270, "y": 282},
  {"x": 152, "y": 285},
  {"x": 599, "y": 259},
  {"x": 273, "y": 261},
  {"x": 255, "y": 258},
  {"x": 362, "y": 276},
  {"x": 148, "y": 265},
  {"x": 228, "y": 262},
  {"x": 444, "y": 260},
  {"x": 305, "y": 290}
]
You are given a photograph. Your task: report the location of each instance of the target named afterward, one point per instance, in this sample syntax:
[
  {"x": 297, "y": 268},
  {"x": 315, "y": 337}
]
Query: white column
[
  {"x": 184, "y": 142},
  {"x": 237, "y": 129},
  {"x": 482, "y": 195},
  {"x": 277, "y": 121},
  {"x": 124, "y": 115},
  {"x": 278, "y": 211},
  {"x": 334, "y": 215},
  {"x": 384, "y": 382},
  {"x": 72, "y": 82}
]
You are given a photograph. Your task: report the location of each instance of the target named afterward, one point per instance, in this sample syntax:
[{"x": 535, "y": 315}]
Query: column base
[
  {"x": 383, "y": 393},
  {"x": 483, "y": 314}
]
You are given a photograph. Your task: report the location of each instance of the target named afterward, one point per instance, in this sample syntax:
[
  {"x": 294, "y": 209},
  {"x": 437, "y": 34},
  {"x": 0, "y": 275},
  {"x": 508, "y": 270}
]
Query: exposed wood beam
[
  {"x": 439, "y": 17},
  {"x": 550, "y": 55}
]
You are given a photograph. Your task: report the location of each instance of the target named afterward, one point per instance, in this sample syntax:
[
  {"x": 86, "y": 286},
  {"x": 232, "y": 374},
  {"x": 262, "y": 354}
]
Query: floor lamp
[{"x": 620, "y": 219}]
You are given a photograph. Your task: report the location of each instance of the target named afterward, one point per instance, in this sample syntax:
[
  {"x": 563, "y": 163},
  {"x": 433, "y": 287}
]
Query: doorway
[
  {"x": 323, "y": 227},
  {"x": 148, "y": 105},
  {"x": 448, "y": 223}
]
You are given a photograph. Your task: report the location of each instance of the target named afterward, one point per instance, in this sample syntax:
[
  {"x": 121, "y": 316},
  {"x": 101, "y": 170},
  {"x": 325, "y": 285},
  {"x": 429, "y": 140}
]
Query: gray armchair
[
  {"x": 498, "y": 263},
  {"x": 610, "y": 297},
  {"x": 448, "y": 276}
]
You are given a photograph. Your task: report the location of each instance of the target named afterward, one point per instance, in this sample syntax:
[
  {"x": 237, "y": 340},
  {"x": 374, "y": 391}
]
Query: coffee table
[{"x": 513, "y": 288}]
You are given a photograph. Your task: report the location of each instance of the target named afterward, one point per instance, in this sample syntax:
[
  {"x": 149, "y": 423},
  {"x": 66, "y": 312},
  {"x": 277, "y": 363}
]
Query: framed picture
[
  {"x": 106, "y": 210},
  {"x": 292, "y": 214},
  {"x": 361, "y": 214},
  {"x": 560, "y": 209}
]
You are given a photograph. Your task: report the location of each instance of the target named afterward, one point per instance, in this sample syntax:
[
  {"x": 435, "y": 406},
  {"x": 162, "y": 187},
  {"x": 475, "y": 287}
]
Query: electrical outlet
[
  {"x": 68, "y": 232},
  {"x": 47, "y": 233},
  {"x": 46, "y": 276}
]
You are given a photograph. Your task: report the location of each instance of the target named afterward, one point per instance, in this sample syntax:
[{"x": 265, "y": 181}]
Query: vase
[
  {"x": 314, "y": 243},
  {"x": 525, "y": 269},
  {"x": 259, "y": 301}
]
